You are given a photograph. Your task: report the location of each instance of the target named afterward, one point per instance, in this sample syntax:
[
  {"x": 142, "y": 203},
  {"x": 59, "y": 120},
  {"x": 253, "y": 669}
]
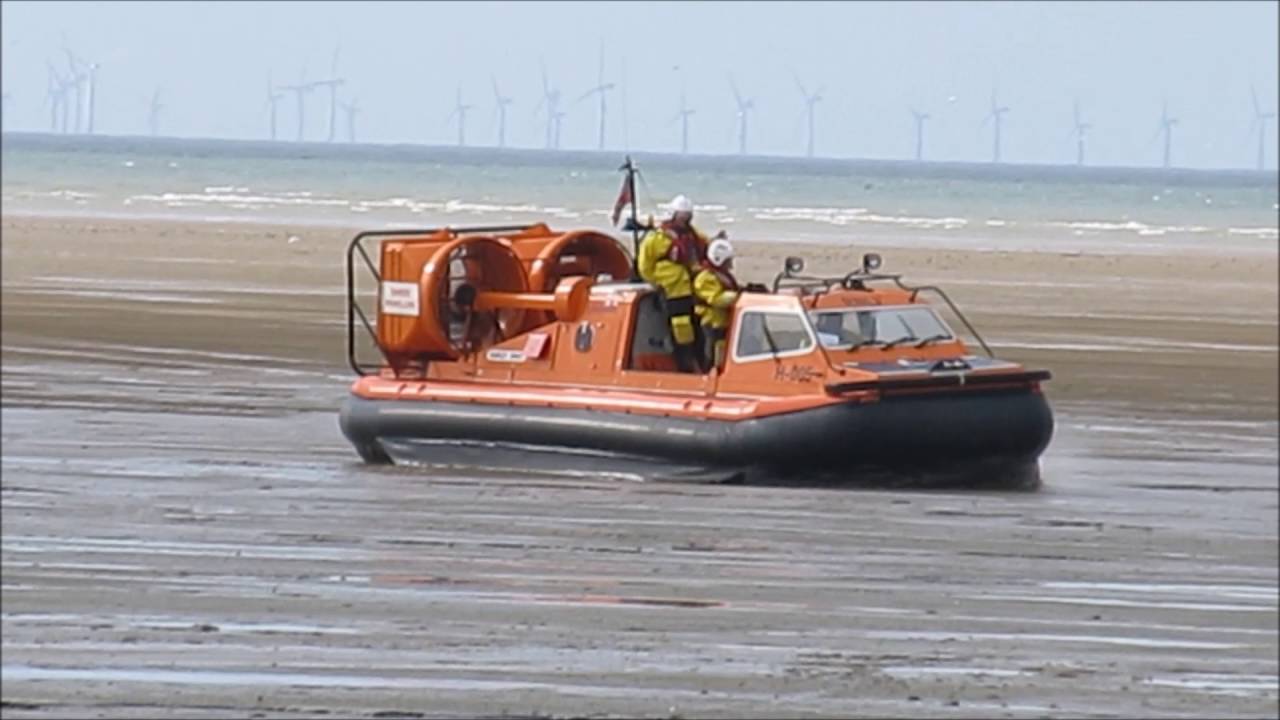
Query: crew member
[
  {"x": 716, "y": 290},
  {"x": 669, "y": 256}
]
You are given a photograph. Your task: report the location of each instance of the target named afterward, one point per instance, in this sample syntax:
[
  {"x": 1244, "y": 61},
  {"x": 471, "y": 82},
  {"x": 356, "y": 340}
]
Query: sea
[{"x": 767, "y": 199}]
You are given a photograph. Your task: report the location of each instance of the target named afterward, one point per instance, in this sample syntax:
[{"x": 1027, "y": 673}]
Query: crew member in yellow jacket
[
  {"x": 716, "y": 290},
  {"x": 669, "y": 256}
]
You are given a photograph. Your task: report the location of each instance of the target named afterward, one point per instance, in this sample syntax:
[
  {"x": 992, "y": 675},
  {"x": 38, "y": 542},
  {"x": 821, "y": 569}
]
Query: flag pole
[{"x": 635, "y": 223}]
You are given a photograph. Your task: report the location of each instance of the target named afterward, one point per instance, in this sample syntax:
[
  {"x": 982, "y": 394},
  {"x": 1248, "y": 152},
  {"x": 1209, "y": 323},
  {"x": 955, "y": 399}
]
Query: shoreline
[{"x": 1055, "y": 240}]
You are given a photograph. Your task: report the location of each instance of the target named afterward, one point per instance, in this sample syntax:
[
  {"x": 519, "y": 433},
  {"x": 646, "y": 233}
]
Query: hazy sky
[{"x": 404, "y": 62}]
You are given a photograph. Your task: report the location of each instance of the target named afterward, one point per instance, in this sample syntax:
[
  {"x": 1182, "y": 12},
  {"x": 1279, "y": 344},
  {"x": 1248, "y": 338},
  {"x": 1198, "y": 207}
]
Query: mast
[{"x": 634, "y": 222}]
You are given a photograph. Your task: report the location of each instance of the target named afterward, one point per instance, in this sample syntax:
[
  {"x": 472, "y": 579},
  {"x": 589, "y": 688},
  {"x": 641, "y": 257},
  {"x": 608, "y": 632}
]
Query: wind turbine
[
  {"x": 273, "y": 100},
  {"x": 745, "y": 105},
  {"x": 919, "y": 118},
  {"x": 600, "y": 89},
  {"x": 301, "y": 89},
  {"x": 1260, "y": 123},
  {"x": 76, "y": 81},
  {"x": 558, "y": 120},
  {"x": 683, "y": 116},
  {"x": 332, "y": 82},
  {"x": 1166, "y": 127},
  {"x": 810, "y": 100},
  {"x": 1078, "y": 128},
  {"x": 351, "y": 109},
  {"x": 92, "y": 95},
  {"x": 551, "y": 100},
  {"x": 500, "y": 110},
  {"x": 626, "y": 122},
  {"x": 995, "y": 115},
  {"x": 460, "y": 111},
  {"x": 55, "y": 95},
  {"x": 153, "y": 113}
]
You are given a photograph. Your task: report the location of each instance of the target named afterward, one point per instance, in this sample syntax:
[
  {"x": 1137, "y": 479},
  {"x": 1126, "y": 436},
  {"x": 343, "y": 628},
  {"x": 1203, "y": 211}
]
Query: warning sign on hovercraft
[{"x": 399, "y": 298}]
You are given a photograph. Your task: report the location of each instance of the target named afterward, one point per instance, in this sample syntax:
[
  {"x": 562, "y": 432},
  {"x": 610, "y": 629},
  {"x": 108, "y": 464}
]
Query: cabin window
[
  {"x": 846, "y": 329},
  {"x": 771, "y": 334}
]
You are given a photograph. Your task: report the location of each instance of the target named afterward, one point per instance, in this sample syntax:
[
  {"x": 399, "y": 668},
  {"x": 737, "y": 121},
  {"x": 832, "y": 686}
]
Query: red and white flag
[{"x": 624, "y": 197}]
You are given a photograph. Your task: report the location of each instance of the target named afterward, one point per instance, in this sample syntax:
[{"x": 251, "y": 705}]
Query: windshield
[{"x": 842, "y": 329}]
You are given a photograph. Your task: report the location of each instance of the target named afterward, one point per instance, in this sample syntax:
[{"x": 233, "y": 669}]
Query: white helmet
[
  {"x": 681, "y": 204},
  {"x": 719, "y": 252}
]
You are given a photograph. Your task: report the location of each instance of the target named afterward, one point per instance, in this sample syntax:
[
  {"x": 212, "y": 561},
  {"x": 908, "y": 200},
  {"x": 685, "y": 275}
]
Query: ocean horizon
[
  {"x": 760, "y": 198},
  {"x": 595, "y": 159}
]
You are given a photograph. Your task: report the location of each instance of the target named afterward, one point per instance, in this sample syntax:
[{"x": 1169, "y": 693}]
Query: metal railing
[
  {"x": 858, "y": 279},
  {"x": 353, "y": 306},
  {"x": 917, "y": 289}
]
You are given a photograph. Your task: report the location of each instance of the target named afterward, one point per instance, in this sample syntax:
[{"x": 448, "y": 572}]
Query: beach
[{"x": 187, "y": 534}]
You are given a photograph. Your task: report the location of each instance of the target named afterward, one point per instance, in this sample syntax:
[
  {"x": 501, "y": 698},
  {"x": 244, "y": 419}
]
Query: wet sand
[{"x": 186, "y": 533}]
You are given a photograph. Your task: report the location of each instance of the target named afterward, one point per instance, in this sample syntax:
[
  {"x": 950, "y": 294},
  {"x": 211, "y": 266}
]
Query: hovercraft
[{"x": 529, "y": 349}]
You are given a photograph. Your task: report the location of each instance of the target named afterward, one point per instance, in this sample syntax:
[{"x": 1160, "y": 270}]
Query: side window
[{"x": 762, "y": 334}]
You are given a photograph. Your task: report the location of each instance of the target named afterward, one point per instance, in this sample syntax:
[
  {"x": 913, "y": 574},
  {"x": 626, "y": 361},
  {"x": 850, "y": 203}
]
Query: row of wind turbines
[{"x": 71, "y": 99}]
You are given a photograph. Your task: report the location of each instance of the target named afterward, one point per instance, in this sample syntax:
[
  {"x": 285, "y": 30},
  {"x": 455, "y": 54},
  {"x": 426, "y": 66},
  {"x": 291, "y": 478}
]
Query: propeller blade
[
  {"x": 799, "y": 85},
  {"x": 1155, "y": 135},
  {"x": 737, "y": 96}
]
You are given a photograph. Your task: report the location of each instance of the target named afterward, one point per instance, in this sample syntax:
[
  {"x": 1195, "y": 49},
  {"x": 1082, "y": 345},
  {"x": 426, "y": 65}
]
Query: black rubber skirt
[{"x": 974, "y": 438}]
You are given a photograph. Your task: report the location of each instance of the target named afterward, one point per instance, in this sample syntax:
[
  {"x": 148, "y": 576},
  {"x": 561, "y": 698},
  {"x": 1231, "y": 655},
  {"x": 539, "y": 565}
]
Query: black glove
[{"x": 756, "y": 288}]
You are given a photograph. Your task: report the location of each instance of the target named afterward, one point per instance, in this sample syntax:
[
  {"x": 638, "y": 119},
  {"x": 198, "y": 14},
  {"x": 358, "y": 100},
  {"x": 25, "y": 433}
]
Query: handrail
[
  {"x": 858, "y": 277},
  {"x": 353, "y": 307},
  {"x": 915, "y": 290}
]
